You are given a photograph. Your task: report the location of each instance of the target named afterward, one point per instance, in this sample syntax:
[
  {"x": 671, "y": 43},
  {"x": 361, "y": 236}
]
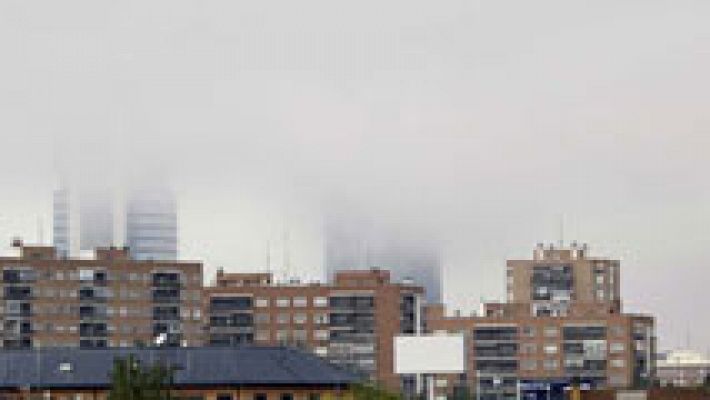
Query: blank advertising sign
[{"x": 429, "y": 354}]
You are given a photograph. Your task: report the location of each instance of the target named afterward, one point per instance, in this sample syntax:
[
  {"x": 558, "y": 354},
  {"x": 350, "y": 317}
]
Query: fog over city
[{"x": 484, "y": 127}]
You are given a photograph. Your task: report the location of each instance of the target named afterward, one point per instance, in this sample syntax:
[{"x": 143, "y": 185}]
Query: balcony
[
  {"x": 91, "y": 295},
  {"x": 21, "y": 293},
  {"x": 166, "y": 280},
  {"x": 91, "y": 313},
  {"x": 93, "y": 330},
  {"x": 18, "y": 276},
  {"x": 166, "y": 314}
]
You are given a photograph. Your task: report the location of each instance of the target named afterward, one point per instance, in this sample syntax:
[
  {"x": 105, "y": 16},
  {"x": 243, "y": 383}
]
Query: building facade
[
  {"x": 351, "y": 321},
  {"x": 683, "y": 368},
  {"x": 109, "y": 301},
  {"x": 563, "y": 325}
]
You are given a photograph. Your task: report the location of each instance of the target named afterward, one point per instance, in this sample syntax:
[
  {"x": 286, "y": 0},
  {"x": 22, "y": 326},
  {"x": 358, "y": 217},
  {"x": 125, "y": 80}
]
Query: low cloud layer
[{"x": 481, "y": 124}]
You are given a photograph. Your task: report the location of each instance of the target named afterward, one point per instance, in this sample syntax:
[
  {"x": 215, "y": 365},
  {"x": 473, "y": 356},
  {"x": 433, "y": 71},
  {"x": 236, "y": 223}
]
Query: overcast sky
[{"x": 481, "y": 122}]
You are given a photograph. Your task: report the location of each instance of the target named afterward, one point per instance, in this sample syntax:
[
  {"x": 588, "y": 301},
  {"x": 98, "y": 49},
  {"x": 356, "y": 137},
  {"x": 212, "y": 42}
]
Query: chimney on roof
[{"x": 17, "y": 242}]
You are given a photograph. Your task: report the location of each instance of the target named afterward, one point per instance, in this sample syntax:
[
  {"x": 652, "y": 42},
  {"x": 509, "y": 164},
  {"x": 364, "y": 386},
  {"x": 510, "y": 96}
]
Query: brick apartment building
[
  {"x": 351, "y": 321},
  {"x": 108, "y": 301},
  {"x": 563, "y": 320},
  {"x": 563, "y": 323}
]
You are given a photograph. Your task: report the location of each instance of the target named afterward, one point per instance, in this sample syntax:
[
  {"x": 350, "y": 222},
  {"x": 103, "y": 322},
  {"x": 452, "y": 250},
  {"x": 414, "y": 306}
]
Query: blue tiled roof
[{"x": 198, "y": 366}]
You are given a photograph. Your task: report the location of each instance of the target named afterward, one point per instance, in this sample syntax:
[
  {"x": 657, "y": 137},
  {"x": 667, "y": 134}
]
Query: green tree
[
  {"x": 132, "y": 381},
  {"x": 371, "y": 391}
]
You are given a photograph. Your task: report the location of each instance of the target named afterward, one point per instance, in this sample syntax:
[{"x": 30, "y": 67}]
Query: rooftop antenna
[
  {"x": 286, "y": 255},
  {"x": 268, "y": 256},
  {"x": 366, "y": 255},
  {"x": 40, "y": 230},
  {"x": 562, "y": 230}
]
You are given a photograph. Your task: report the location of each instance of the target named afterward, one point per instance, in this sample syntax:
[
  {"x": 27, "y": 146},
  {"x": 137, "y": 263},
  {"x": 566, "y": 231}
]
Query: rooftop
[{"x": 234, "y": 366}]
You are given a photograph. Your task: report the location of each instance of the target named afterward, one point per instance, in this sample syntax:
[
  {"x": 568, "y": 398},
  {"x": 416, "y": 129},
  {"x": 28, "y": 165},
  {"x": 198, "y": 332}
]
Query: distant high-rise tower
[
  {"x": 83, "y": 219},
  {"x": 62, "y": 222},
  {"x": 151, "y": 225},
  {"x": 87, "y": 218},
  {"x": 352, "y": 244}
]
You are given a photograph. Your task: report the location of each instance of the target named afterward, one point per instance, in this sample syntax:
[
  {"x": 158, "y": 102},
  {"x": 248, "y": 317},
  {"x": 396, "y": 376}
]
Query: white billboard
[{"x": 429, "y": 354}]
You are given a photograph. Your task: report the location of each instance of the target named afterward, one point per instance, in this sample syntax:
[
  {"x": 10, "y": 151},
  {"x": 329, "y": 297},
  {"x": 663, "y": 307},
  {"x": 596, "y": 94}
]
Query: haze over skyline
[{"x": 479, "y": 123}]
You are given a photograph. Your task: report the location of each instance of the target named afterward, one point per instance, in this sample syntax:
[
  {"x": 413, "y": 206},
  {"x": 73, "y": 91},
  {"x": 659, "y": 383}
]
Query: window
[
  {"x": 86, "y": 275},
  {"x": 550, "y": 349},
  {"x": 261, "y": 318},
  {"x": 617, "y": 380},
  {"x": 320, "y": 301},
  {"x": 529, "y": 331},
  {"x": 321, "y": 351},
  {"x": 300, "y": 319},
  {"x": 65, "y": 367},
  {"x": 300, "y": 302},
  {"x": 551, "y": 331},
  {"x": 224, "y": 396},
  {"x": 283, "y": 302},
  {"x": 441, "y": 383},
  {"x": 528, "y": 348},
  {"x": 286, "y": 396},
  {"x": 550, "y": 365},
  {"x": 262, "y": 302},
  {"x": 600, "y": 279},
  {"x": 320, "y": 335},
  {"x": 528, "y": 365},
  {"x": 320, "y": 318},
  {"x": 282, "y": 335},
  {"x": 314, "y": 396},
  {"x": 616, "y": 347},
  {"x": 260, "y": 396},
  {"x": 617, "y": 363},
  {"x": 283, "y": 318},
  {"x": 300, "y": 335},
  {"x": 600, "y": 294}
]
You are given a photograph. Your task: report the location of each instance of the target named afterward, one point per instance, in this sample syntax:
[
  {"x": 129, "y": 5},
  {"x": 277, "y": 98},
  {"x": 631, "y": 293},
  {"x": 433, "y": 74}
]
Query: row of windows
[
  {"x": 553, "y": 364},
  {"x": 318, "y": 318},
  {"x": 297, "y": 335},
  {"x": 107, "y": 293},
  {"x": 551, "y": 348},
  {"x": 553, "y": 331},
  {"x": 74, "y": 309},
  {"x": 220, "y": 396},
  {"x": 299, "y": 301},
  {"x": 123, "y": 329},
  {"x": 85, "y": 275}
]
